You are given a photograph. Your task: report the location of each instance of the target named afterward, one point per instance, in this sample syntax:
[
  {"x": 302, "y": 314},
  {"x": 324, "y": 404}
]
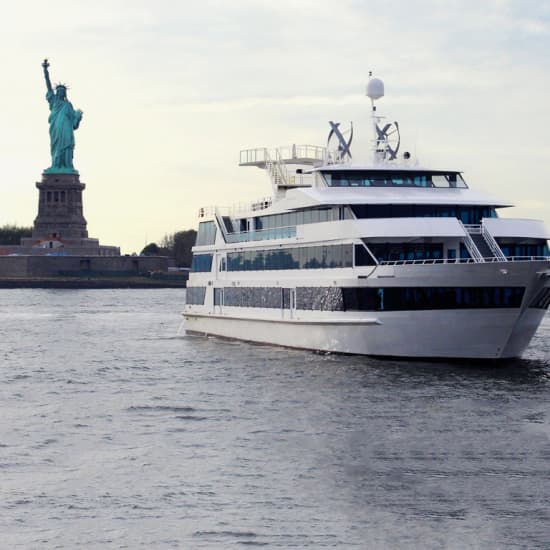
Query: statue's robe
[{"x": 63, "y": 121}]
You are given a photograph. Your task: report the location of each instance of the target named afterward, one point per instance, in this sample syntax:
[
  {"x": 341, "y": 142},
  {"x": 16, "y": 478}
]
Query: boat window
[
  {"x": 362, "y": 256},
  {"x": 537, "y": 247},
  {"x": 415, "y": 298},
  {"x": 440, "y": 181},
  {"x": 201, "y": 263},
  {"x": 267, "y": 297},
  {"x": 286, "y": 298},
  {"x": 218, "y": 296},
  {"x": 391, "y": 252},
  {"x": 467, "y": 214},
  {"x": 372, "y": 298},
  {"x": 195, "y": 295},
  {"x": 393, "y": 178},
  {"x": 299, "y": 217},
  {"x": 206, "y": 234},
  {"x": 307, "y": 257},
  {"x": 420, "y": 181}
]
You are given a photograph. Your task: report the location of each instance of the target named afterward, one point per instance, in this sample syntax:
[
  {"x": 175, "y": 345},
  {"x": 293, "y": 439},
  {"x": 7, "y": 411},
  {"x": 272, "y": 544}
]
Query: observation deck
[{"x": 262, "y": 157}]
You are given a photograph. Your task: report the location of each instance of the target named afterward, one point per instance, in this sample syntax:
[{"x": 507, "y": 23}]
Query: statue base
[
  {"x": 60, "y": 227},
  {"x": 60, "y": 213}
]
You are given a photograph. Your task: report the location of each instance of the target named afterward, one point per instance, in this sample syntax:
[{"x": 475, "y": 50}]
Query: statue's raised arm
[{"x": 45, "y": 66}]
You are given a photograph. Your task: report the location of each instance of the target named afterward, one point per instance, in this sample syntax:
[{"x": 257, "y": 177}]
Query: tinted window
[
  {"x": 201, "y": 262},
  {"x": 195, "y": 295},
  {"x": 415, "y": 298},
  {"x": 467, "y": 214},
  {"x": 206, "y": 233},
  {"x": 309, "y": 257},
  {"x": 393, "y": 178},
  {"x": 385, "y": 252}
]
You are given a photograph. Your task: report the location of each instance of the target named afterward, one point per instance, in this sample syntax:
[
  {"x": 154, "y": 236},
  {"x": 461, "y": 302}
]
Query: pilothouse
[{"x": 388, "y": 258}]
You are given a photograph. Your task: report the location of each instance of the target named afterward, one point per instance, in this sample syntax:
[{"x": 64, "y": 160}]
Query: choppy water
[{"x": 116, "y": 432}]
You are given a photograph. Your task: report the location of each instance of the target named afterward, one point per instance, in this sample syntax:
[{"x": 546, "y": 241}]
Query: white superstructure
[{"x": 388, "y": 259}]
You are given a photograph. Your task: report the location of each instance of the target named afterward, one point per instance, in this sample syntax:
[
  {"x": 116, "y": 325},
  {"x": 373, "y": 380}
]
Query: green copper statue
[{"x": 63, "y": 121}]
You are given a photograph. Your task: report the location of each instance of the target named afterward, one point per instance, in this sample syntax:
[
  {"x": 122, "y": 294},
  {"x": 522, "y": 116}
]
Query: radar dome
[{"x": 375, "y": 88}]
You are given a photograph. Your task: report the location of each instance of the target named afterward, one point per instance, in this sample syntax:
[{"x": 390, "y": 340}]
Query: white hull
[{"x": 476, "y": 334}]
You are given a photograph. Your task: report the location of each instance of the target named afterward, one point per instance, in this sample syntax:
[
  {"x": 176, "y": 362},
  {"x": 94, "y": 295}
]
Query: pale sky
[{"x": 172, "y": 90}]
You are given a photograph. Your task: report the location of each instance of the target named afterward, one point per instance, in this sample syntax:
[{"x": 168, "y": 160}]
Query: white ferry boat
[{"x": 385, "y": 259}]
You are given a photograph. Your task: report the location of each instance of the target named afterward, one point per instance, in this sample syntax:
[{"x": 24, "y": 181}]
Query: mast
[{"x": 375, "y": 90}]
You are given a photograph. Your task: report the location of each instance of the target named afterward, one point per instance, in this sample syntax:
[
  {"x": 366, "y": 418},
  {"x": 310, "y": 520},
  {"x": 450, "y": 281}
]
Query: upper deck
[{"x": 305, "y": 155}]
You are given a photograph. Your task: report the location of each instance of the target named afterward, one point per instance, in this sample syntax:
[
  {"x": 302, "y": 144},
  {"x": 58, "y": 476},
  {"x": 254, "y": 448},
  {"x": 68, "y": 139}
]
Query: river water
[{"x": 118, "y": 431}]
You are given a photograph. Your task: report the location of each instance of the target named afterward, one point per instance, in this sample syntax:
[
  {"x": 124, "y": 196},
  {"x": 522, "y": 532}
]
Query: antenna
[
  {"x": 387, "y": 137},
  {"x": 375, "y": 91}
]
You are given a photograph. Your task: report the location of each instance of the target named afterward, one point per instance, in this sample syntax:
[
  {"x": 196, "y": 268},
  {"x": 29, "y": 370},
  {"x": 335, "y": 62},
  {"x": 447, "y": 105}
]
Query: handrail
[
  {"x": 286, "y": 232},
  {"x": 528, "y": 258},
  {"x": 237, "y": 208},
  {"x": 433, "y": 261},
  {"x": 472, "y": 228},
  {"x": 275, "y": 168},
  {"x": 247, "y": 156},
  {"x": 282, "y": 172},
  {"x": 287, "y": 153},
  {"x": 468, "y": 241},
  {"x": 493, "y": 245},
  {"x": 430, "y": 261}
]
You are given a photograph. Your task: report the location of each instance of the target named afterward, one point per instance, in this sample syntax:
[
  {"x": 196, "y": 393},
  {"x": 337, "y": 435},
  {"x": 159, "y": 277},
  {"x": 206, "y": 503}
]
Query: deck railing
[
  {"x": 236, "y": 209},
  {"x": 262, "y": 234},
  {"x": 466, "y": 260},
  {"x": 286, "y": 154}
]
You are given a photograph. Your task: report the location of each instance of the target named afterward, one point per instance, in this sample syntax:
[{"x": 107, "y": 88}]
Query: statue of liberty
[{"x": 63, "y": 121}]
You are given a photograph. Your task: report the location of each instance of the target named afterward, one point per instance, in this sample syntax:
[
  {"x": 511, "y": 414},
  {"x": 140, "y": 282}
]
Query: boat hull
[
  {"x": 479, "y": 334},
  {"x": 464, "y": 333}
]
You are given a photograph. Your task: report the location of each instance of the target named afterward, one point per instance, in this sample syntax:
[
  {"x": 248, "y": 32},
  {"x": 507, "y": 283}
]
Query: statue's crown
[{"x": 61, "y": 85}]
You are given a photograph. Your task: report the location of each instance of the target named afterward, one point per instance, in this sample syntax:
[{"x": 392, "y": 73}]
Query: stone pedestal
[
  {"x": 60, "y": 213},
  {"x": 60, "y": 227}
]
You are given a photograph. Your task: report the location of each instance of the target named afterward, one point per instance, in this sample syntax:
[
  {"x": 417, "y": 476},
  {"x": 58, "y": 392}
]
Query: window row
[
  {"x": 300, "y": 217},
  {"x": 264, "y": 235},
  {"x": 417, "y": 298},
  {"x": 540, "y": 248},
  {"x": 309, "y": 257},
  {"x": 206, "y": 233},
  {"x": 270, "y": 297},
  {"x": 195, "y": 295},
  {"x": 466, "y": 214},
  {"x": 318, "y": 298},
  {"x": 350, "y": 178},
  {"x": 370, "y": 298},
  {"x": 385, "y": 252}
]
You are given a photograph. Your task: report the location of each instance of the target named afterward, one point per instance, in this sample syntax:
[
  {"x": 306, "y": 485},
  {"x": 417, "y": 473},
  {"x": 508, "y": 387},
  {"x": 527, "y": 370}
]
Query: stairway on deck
[{"x": 482, "y": 246}]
